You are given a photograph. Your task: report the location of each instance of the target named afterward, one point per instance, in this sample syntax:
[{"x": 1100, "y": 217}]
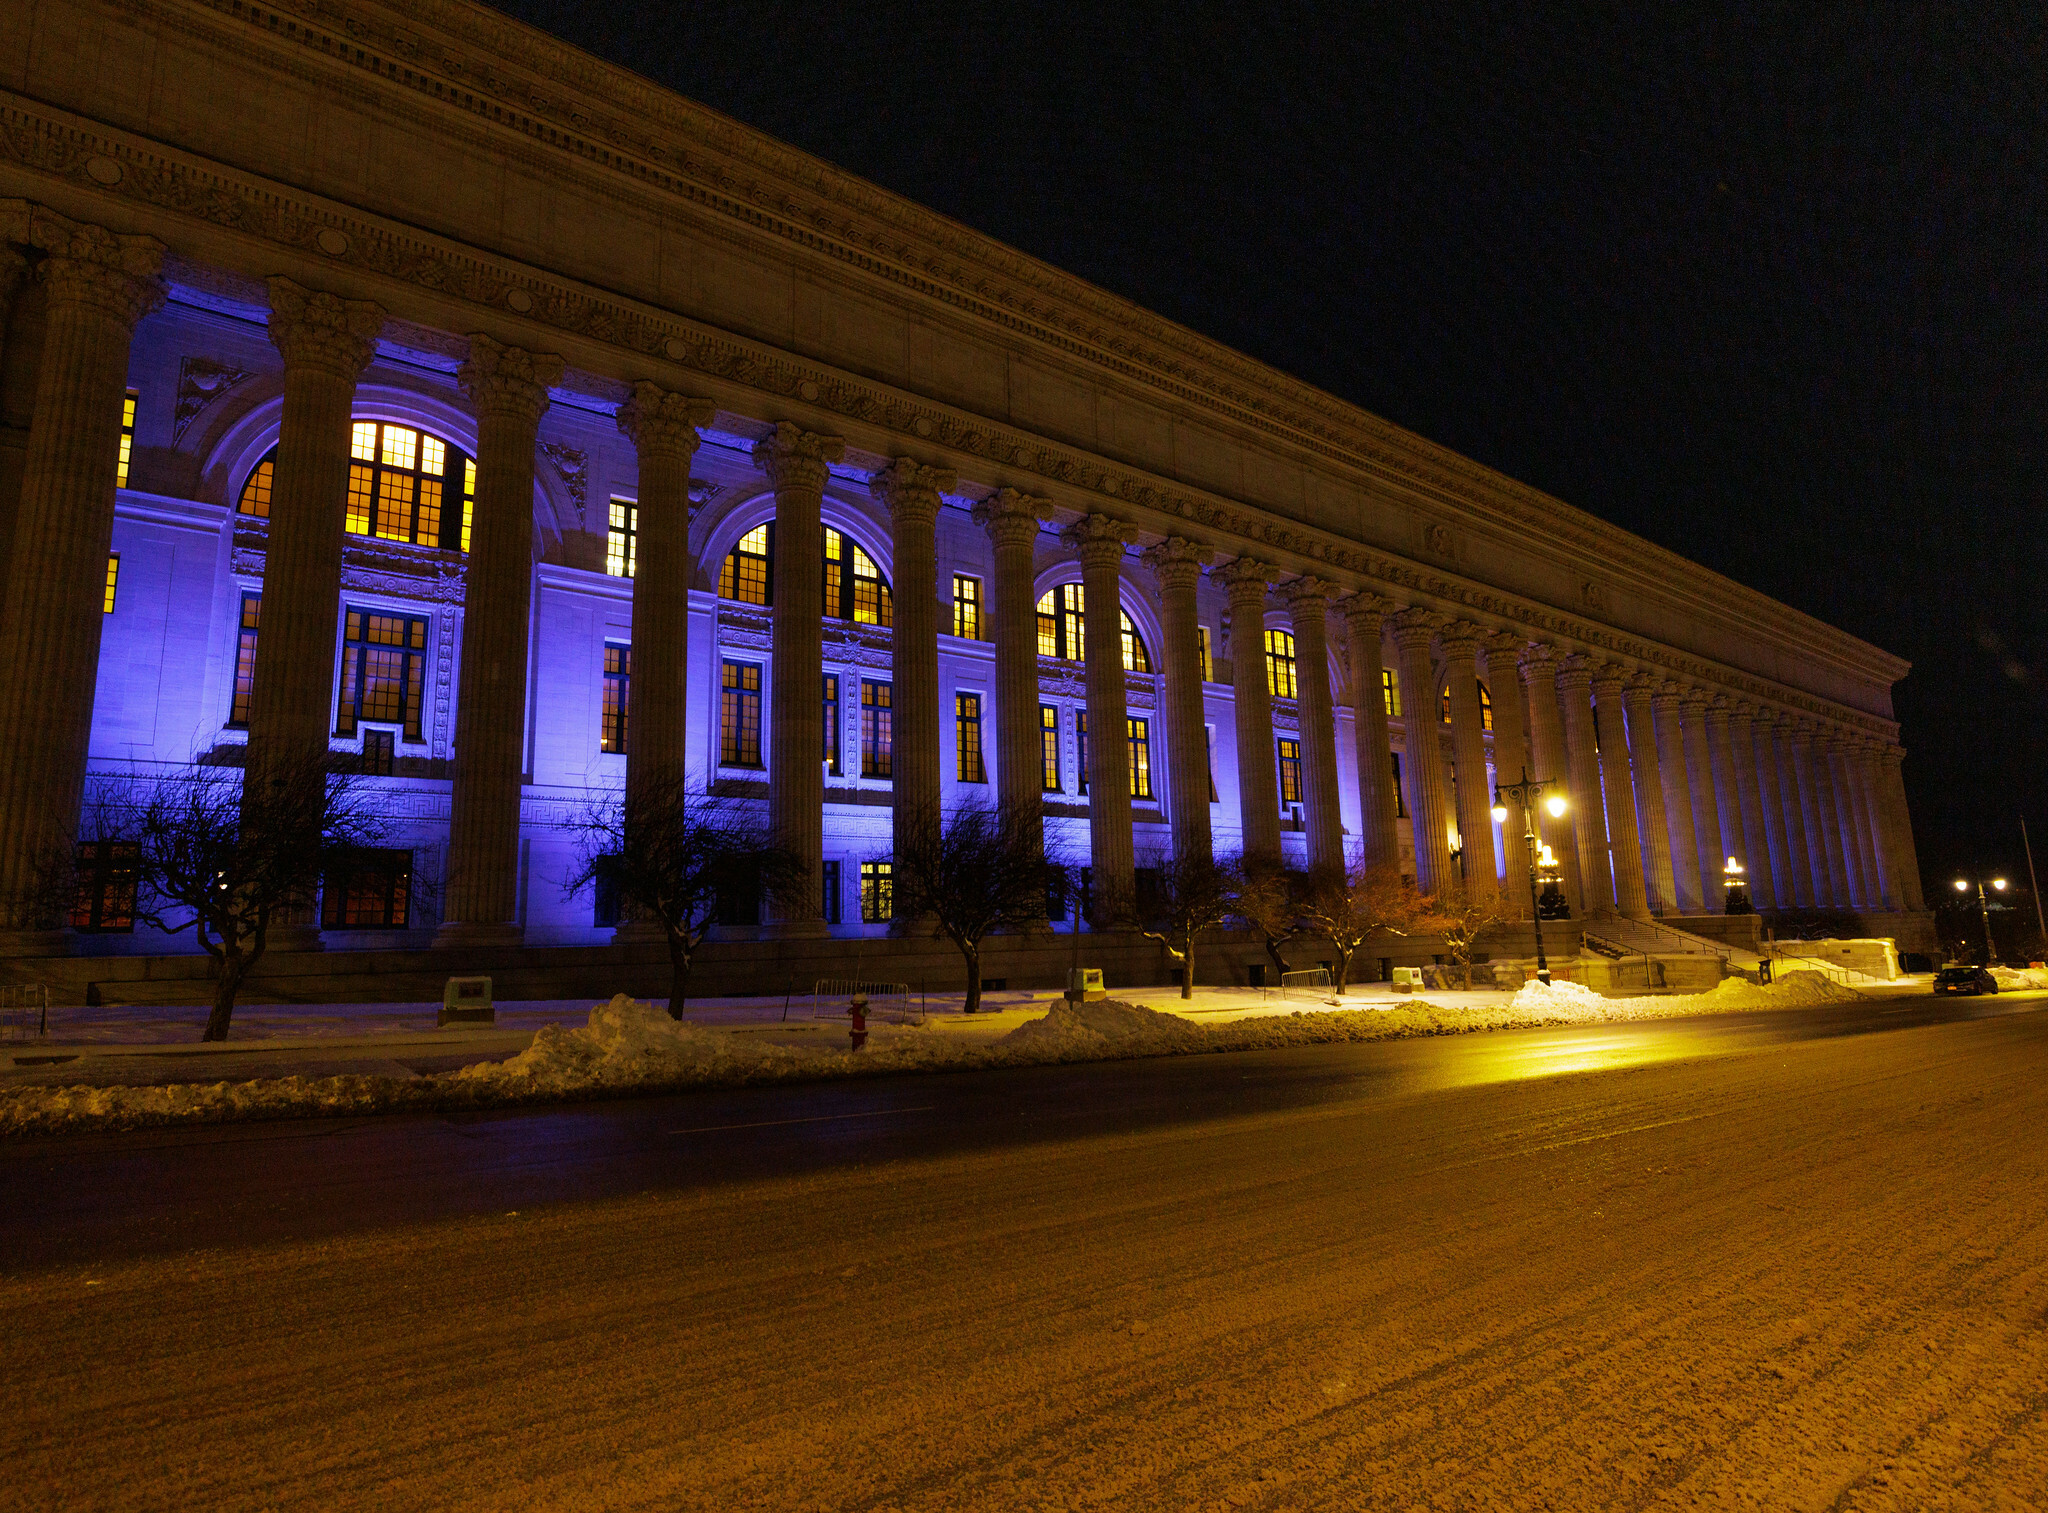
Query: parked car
[{"x": 1965, "y": 980}]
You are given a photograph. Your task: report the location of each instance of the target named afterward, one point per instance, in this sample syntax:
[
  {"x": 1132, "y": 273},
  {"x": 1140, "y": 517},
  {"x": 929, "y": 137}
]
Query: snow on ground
[{"x": 629, "y": 1046}]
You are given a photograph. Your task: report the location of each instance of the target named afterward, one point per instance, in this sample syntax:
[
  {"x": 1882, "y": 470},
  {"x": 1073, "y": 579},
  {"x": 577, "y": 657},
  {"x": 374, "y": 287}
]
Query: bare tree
[
  {"x": 981, "y": 869},
  {"x": 228, "y": 859},
  {"x": 1267, "y": 896},
  {"x": 1189, "y": 894},
  {"x": 1462, "y": 915},
  {"x": 1350, "y": 905},
  {"x": 672, "y": 854}
]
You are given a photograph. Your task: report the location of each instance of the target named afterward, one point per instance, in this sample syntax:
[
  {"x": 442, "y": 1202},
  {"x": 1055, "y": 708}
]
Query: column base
[
  {"x": 796, "y": 929},
  {"x": 294, "y": 938},
  {"x": 459, "y": 935},
  {"x": 37, "y": 943}
]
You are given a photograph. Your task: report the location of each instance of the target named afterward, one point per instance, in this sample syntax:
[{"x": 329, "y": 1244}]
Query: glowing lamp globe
[
  {"x": 1555, "y": 803},
  {"x": 1500, "y": 814}
]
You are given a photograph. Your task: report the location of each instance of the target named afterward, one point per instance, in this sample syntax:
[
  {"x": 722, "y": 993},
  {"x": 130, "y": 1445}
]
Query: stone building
[{"x": 398, "y": 378}]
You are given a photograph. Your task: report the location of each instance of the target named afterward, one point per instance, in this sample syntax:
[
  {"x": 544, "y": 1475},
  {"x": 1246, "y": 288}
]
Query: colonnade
[{"x": 1666, "y": 780}]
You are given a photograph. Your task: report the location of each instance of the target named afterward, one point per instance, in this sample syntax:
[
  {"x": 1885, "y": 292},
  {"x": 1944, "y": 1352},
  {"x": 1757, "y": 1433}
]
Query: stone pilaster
[
  {"x": 1756, "y": 841},
  {"x": 911, "y": 493},
  {"x": 1177, "y": 565},
  {"x": 1099, "y": 542},
  {"x": 1830, "y": 861},
  {"x": 1703, "y": 787},
  {"x": 1012, "y": 520},
  {"x": 1258, "y": 792},
  {"x": 16, "y": 403},
  {"x": 97, "y": 286},
  {"x": 1511, "y": 759},
  {"x": 1892, "y": 796},
  {"x": 1770, "y": 808},
  {"x": 1883, "y": 859},
  {"x": 1653, "y": 824},
  {"x": 1430, "y": 813},
  {"x": 1799, "y": 892},
  {"x": 1474, "y": 795},
  {"x": 1856, "y": 790},
  {"x": 797, "y": 463},
  {"x": 1855, "y": 845},
  {"x": 1618, "y": 784},
  {"x": 1365, "y": 616},
  {"x": 1674, "y": 772},
  {"x": 509, "y": 387},
  {"x": 1727, "y": 789},
  {"x": 1589, "y": 822},
  {"x": 1308, "y": 612},
  {"x": 1552, "y": 765}
]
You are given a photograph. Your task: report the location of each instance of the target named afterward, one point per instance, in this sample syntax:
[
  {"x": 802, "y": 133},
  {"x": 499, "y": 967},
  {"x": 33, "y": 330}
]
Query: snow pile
[
  {"x": 630, "y": 1044},
  {"x": 1105, "y": 1028},
  {"x": 2016, "y": 977}
]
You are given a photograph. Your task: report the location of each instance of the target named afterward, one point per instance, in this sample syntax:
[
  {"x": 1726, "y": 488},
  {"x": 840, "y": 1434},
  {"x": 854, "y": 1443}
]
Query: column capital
[
  {"x": 1804, "y": 733},
  {"x": 660, "y": 422},
  {"x": 1414, "y": 627},
  {"x": 1892, "y": 754},
  {"x": 321, "y": 331},
  {"x": 92, "y": 266},
  {"x": 1365, "y": 605},
  {"x": 1247, "y": 579},
  {"x": 1719, "y": 708},
  {"x": 1742, "y": 710},
  {"x": 1098, "y": 540},
  {"x": 794, "y": 458},
  {"x": 1538, "y": 660},
  {"x": 1011, "y": 518},
  {"x": 1639, "y": 687},
  {"x": 1298, "y": 591},
  {"x": 510, "y": 380},
  {"x": 1666, "y": 694},
  {"x": 1608, "y": 680},
  {"x": 910, "y": 491},
  {"x": 1176, "y": 562},
  {"x": 1575, "y": 671},
  {"x": 1461, "y": 640}
]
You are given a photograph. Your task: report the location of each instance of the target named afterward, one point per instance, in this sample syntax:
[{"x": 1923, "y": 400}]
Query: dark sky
[{"x": 1768, "y": 286}]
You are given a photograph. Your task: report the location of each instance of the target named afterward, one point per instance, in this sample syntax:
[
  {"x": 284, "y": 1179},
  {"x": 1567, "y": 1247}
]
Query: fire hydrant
[{"x": 858, "y": 1011}]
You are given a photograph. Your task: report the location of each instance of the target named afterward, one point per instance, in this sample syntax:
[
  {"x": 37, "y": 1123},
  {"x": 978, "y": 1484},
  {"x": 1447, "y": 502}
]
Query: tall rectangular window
[
  {"x": 1208, "y": 666},
  {"x": 1049, "y": 748},
  {"x": 113, "y": 578},
  {"x": 1290, "y": 771},
  {"x": 1400, "y": 796},
  {"x": 380, "y": 754},
  {"x": 621, "y": 542},
  {"x": 832, "y": 724},
  {"x": 245, "y": 660},
  {"x": 877, "y": 730},
  {"x": 1209, "y": 758},
  {"x": 127, "y": 439},
  {"x": 745, "y": 576},
  {"x": 1391, "y": 687},
  {"x": 967, "y": 607},
  {"x": 374, "y": 894},
  {"x": 832, "y": 907},
  {"x": 1140, "y": 736},
  {"x": 877, "y": 892},
  {"x": 1280, "y": 664},
  {"x": 739, "y": 714},
  {"x": 105, "y": 904},
  {"x": 967, "y": 763},
  {"x": 383, "y": 671},
  {"x": 1081, "y": 746},
  {"x": 618, "y": 688}
]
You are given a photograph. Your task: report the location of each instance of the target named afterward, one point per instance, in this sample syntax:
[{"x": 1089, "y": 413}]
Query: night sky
[{"x": 1768, "y": 286}]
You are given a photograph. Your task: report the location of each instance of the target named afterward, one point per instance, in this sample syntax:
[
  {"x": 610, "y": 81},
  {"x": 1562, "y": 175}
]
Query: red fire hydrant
[{"x": 859, "y": 1014}]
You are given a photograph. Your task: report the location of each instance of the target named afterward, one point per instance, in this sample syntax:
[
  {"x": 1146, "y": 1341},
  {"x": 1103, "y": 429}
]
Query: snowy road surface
[{"x": 1800, "y": 1263}]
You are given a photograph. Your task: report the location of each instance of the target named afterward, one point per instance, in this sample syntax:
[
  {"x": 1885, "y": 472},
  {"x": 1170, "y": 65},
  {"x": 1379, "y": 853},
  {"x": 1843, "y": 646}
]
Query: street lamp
[
  {"x": 1525, "y": 795},
  {"x": 1735, "y": 888},
  {"x": 1983, "y": 907}
]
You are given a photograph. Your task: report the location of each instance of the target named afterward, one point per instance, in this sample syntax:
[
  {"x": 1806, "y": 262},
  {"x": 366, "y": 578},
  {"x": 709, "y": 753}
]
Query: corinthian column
[
  {"x": 1589, "y": 822},
  {"x": 97, "y": 286},
  {"x": 1510, "y": 748},
  {"x": 509, "y": 388},
  {"x": 1776, "y": 737},
  {"x": 1308, "y": 612},
  {"x": 1674, "y": 771},
  {"x": 1429, "y": 800},
  {"x": 1883, "y": 864},
  {"x": 1763, "y": 892},
  {"x": 1814, "y": 774},
  {"x": 1177, "y": 565},
  {"x": 1011, "y": 520},
  {"x": 1546, "y": 743},
  {"x": 1892, "y": 798},
  {"x": 1855, "y": 849},
  {"x": 1727, "y": 789},
  {"x": 1099, "y": 542},
  {"x": 1770, "y": 805},
  {"x": 1380, "y": 845},
  {"x": 910, "y": 492},
  {"x": 14, "y": 279},
  {"x": 797, "y": 462},
  {"x": 1258, "y": 792},
  {"x": 1617, "y": 786},
  {"x": 1703, "y": 787},
  {"x": 1468, "y": 753},
  {"x": 1646, "y": 762},
  {"x": 663, "y": 429}
]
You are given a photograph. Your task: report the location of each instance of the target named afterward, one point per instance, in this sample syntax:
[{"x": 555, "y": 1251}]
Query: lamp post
[
  {"x": 1735, "y": 888},
  {"x": 1525, "y": 795},
  {"x": 1963, "y": 885}
]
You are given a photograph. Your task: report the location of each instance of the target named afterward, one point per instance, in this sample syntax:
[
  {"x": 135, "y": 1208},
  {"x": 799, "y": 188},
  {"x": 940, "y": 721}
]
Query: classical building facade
[{"x": 396, "y": 380}]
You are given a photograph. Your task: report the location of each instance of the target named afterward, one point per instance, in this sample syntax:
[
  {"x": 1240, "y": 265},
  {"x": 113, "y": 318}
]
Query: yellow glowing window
[
  {"x": 739, "y": 714},
  {"x": 854, "y": 587},
  {"x": 967, "y": 763},
  {"x": 383, "y": 668},
  {"x": 618, "y": 681},
  {"x": 1063, "y": 629},
  {"x": 468, "y": 496},
  {"x": 1280, "y": 679},
  {"x": 744, "y": 578},
  {"x": 256, "y": 491},
  {"x": 622, "y": 540},
  {"x": 245, "y": 659},
  {"x": 363, "y": 441},
  {"x": 1049, "y": 747},
  {"x": 1391, "y": 687},
  {"x": 967, "y": 607},
  {"x": 113, "y": 576},
  {"x": 1485, "y": 706},
  {"x": 401, "y": 448},
  {"x": 397, "y": 483},
  {"x": 1208, "y": 666},
  {"x": 127, "y": 439},
  {"x": 1140, "y": 739}
]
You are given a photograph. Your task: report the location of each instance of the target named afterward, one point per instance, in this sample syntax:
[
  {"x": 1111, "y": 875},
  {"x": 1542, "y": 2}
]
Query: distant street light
[
  {"x": 1525, "y": 795},
  {"x": 1963, "y": 885}
]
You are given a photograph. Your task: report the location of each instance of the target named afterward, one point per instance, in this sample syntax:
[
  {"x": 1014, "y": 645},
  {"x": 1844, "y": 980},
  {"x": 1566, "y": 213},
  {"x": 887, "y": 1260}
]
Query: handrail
[{"x": 1713, "y": 947}]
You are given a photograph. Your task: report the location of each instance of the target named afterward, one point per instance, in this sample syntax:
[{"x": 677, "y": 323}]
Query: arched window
[
  {"x": 1485, "y": 706},
  {"x": 1280, "y": 664},
  {"x": 854, "y": 586},
  {"x": 1063, "y": 620},
  {"x": 400, "y": 483}
]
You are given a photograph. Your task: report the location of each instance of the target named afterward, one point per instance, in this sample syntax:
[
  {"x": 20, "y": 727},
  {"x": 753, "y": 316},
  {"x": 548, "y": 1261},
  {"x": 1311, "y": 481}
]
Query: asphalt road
[{"x": 1795, "y": 1259}]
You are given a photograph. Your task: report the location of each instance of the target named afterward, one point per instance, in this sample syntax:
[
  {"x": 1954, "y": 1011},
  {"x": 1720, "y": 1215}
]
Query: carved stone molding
[
  {"x": 573, "y": 463},
  {"x": 201, "y": 381}
]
